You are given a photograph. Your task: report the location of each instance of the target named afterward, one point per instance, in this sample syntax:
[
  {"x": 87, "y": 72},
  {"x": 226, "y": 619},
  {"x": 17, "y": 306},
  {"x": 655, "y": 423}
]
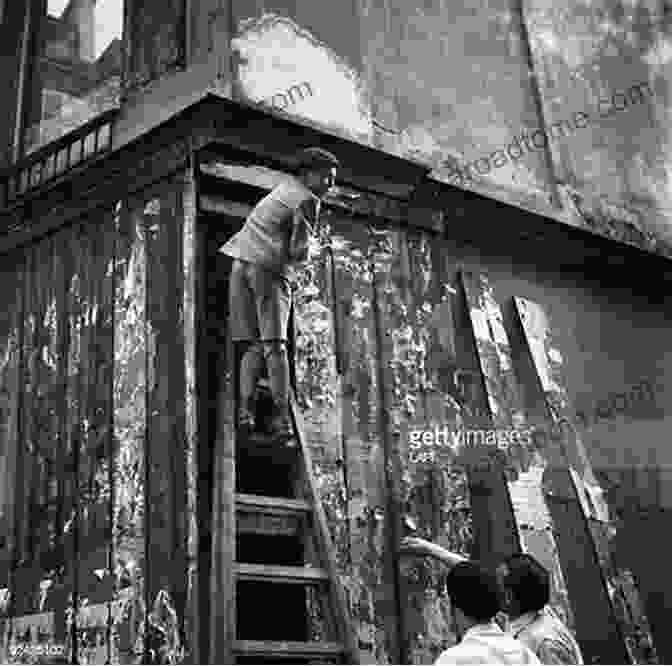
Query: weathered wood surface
[
  {"x": 523, "y": 466},
  {"x": 130, "y": 422},
  {"x": 10, "y": 356},
  {"x": 599, "y": 633},
  {"x": 190, "y": 254},
  {"x": 327, "y": 557},
  {"x": 166, "y": 446},
  {"x": 223, "y": 595},
  {"x": 500, "y": 389}
]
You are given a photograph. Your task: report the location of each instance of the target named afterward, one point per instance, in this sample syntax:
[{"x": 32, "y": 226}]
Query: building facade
[{"x": 481, "y": 348}]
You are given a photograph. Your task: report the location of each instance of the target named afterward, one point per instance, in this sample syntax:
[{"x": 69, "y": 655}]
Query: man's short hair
[
  {"x": 528, "y": 582},
  {"x": 317, "y": 158},
  {"x": 474, "y": 591}
]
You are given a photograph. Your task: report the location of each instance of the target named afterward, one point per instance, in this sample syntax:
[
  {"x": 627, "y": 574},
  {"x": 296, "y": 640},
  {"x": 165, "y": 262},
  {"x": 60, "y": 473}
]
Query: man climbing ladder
[{"x": 266, "y": 251}]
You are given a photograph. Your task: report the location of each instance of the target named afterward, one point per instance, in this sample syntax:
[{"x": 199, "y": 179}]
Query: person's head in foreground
[
  {"x": 474, "y": 596},
  {"x": 475, "y": 599},
  {"x": 317, "y": 170},
  {"x": 526, "y": 584}
]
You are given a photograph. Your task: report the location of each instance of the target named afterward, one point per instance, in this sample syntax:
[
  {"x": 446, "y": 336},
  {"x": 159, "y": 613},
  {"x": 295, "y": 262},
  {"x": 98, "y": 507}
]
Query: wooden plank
[
  {"x": 166, "y": 445},
  {"x": 379, "y": 256},
  {"x": 325, "y": 546},
  {"x": 10, "y": 390},
  {"x": 280, "y": 505},
  {"x": 508, "y": 406},
  {"x": 84, "y": 368},
  {"x": 223, "y": 597},
  {"x": 268, "y": 525},
  {"x": 597, "y": 628},
  {"x": 271, "y": 516},
  {"x": 189, "y": 305},
  {"x": 499, "y": 385},
  {"x": 288, "y": 649},
  {"x": 130, "y": 419},
  {"x": 280, "y": 574}
]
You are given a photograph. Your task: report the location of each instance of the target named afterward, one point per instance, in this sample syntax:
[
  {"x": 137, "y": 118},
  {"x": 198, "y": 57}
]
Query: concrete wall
[{"x": 456, "y": 85}]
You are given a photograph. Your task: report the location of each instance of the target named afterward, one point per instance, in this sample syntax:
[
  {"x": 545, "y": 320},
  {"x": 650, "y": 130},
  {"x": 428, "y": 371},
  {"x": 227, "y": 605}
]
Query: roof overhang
[{"x": 272, "y": 139}]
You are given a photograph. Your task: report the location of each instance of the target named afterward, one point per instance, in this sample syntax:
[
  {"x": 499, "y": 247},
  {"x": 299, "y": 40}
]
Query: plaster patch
[{"x": 278, "y": 58}]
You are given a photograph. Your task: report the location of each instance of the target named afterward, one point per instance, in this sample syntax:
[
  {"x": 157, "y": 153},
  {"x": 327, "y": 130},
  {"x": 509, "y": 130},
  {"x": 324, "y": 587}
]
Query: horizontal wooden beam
[
  {"x": 271, "y": 573},
  {"x": 288, "y": 649}
]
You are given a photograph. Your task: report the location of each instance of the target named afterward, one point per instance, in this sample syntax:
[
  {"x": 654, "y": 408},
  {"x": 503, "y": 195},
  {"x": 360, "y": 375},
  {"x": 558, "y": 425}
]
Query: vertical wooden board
[
  {"x": 223, "y": 597},
  {"x": 524, "y": 470},
  {"x": 586, "y": 580},
  {"x": 603, "y": 526},
  {"x": 433, "y": 488},
  {"x": 83, "y": 400},
  {"x": 36, "y": 427},
  {"x": 10, "y": 321},
  {"x": 94, "y": 581},
  {"x": 502, "y": 398},
  {"x": 63, "y": 488},
  {"x": 10, "y": 383},
  {"x": 166, "y": 447},
  {"x": 77, "y": 403},
  {"x": 382, "y": 251},
  {"x": 359, "y": 541},
  {"x": 23, "y": 455},
  {"x": 548, "y": 360},
  {"x": 130, "y": 422},
  {"x": 189, "y": 286},
  {"x": 106, "y": 323}
]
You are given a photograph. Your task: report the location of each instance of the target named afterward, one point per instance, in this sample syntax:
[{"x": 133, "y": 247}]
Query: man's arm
[
  {"x": 300, "y": 233},
  {"x": 424, "y": 548}
]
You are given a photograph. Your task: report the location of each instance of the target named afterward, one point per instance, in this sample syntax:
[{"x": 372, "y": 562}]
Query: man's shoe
[{"x": 246, "y": 421}]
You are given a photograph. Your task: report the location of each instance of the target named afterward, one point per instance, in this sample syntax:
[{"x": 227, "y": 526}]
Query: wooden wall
[
  {"x": 394, "y": 336},
  {"x": 97, "y": 435}
]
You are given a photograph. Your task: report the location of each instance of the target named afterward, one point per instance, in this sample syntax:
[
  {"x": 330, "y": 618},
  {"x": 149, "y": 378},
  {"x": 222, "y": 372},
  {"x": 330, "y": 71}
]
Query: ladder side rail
[{"x": 325, "y": 545}]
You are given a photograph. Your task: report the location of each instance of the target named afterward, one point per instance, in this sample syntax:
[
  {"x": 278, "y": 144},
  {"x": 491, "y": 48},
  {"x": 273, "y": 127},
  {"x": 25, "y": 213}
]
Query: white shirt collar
[
  {"x": 483, "y": 628},
  {"x": 523, "y": 621}
]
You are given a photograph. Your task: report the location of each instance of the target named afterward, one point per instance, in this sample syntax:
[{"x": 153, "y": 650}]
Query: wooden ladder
[{"x": 289, "y": 604}]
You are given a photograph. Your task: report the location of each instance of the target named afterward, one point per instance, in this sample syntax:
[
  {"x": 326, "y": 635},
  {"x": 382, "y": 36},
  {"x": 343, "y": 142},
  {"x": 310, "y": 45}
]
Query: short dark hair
[
  {"x": 317, "y": 158},
  {"x": 474, "y": 591},
  {"x": 528, "y": 582}
]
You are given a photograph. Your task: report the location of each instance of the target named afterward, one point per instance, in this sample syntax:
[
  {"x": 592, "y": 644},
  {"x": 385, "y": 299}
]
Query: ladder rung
[
  {"x": 287, "y": 649},
  {"x": 271, "y": 516},
  {"x": 276, "y": 505},
  {"x": 273, "y": 573}
]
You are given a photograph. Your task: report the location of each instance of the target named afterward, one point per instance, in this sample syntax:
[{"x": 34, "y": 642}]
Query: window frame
[{"x": 33, "y": 43}]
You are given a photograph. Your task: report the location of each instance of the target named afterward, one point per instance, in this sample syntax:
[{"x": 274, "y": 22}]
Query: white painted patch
[
  {"x": 660, "y": 53},
  {"x": 286, "y": 67}
]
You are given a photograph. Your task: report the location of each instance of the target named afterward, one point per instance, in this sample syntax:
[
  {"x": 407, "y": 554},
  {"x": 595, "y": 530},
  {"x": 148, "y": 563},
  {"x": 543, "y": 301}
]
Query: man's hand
[
  {"x": 423, "y": 548},
  {"x": 416, "y": 546}
]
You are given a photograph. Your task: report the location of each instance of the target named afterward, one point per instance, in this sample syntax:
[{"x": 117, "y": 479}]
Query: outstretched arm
[
  {"x": 301, "y": 231},
  {"x": 423, "y": 548}
]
